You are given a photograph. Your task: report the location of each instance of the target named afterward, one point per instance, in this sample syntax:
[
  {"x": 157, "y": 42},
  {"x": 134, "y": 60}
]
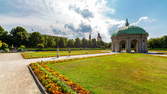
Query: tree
[
  {"x": 4, "y": 46},
  {"x": 164, "y": 41},
  {"x": 51, "y": 42},
  {"x": 35, "y": 39},
  {"x": 155, "y": 43},
  {"x": 77, "y": 43},
  {"x": 158, "y": 42},
  {"x": 57, "y": 39},
  {"x": 21, "y": 48},
  {"x": 3, "y": 34},
  {"x": 0, "y": 43},
  {"x": 62, "y": 43},
  {"x": 70, "y": 43},
  {"x": 90, "y": 44},
  {"x": 1, "y": 29},
  {"x": 40, "y": 45},
  {"x": 100, "y": 44},
  {"x": 85, "y": 43},
  {"x": 108, "y": 45},
  {"x": 19, "y": 36},
  {"x": 94, "y": 43}
]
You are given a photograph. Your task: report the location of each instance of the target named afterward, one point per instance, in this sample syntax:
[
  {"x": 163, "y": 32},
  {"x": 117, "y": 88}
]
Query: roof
[{"x": 130, "y": 30}]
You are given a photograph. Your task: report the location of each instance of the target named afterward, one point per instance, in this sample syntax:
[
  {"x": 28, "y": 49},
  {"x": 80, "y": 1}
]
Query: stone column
[
  {"x": 145, "y": 45},
  {"x": 117, "y": 46},
  {"x": 113, "y": 46},
  {"x": 138, "y": 46},
  {"x": 128, "y": 45}
]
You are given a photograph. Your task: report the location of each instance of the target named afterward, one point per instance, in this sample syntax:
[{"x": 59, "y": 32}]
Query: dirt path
[{"x": 14, "y": 74}]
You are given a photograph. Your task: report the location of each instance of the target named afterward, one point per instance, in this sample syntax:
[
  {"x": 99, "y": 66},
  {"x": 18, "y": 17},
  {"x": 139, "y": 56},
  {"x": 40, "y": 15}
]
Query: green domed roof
[{"x": 130, "y": 30}]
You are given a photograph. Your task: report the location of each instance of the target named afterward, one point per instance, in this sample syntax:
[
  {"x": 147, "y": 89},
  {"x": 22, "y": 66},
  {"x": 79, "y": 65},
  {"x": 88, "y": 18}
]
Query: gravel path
[
  {"x": 158, "y": 53},
  {"x": 14, "y": 74}
]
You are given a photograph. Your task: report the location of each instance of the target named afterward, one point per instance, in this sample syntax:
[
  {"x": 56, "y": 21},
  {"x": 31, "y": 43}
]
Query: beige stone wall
[{"x": 141, "y": 43}]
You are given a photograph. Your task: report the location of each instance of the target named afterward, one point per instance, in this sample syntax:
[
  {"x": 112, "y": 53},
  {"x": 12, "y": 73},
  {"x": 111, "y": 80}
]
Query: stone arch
[
  {"x": 122, "y": 45},
  {"x": 134, "y": 45}
]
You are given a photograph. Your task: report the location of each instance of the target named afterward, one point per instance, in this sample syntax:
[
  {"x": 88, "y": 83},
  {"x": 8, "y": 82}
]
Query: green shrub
[
  {"x": 6, "y": 50},
  {"x": 0, "y": 44},
  {"x": 4, "y": 46},
  {"x": 40, "y": 45},
  {"x": 21, "y": 48}
]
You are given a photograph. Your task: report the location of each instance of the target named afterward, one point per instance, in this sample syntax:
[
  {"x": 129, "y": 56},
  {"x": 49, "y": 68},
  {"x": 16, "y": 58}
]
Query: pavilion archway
[
  {"x": 122, "y": 46},
  {"x": 134, "y": 45}
]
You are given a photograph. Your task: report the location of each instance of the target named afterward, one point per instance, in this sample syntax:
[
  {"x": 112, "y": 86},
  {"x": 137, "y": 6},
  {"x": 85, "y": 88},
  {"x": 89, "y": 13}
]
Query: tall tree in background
[
  {"x": 62, "y": 43},
  {"x": 164, "y": 42},
  {"x": 19, "y": 36},
  {"x": 158, "y": 42},
  {"x": 98, "y": 43},
  {"x": 70, "y": 43},
  {"x": 51, "y": 42},
  {"x": 35, "y": 39},
  {"x": 0, "y": 44},
  {"x": 4, "y": 35},
  {"x": 1, "y": 29},
  {"x": 90, "y": 43},
  {"x": 77, "y": 43},
  {"x": 85, "y": 43},
  {"x": 45, "y": 37},
  {"x": 57, "y": 39},
  {"x": 94, "y": 43}
]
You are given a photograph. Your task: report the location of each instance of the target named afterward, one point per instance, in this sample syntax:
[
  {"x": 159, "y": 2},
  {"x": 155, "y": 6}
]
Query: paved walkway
[
  {"x": 158, "y": 54},
  {"x": 67, "y": 57},
  {"x": 15, "y": 77}
]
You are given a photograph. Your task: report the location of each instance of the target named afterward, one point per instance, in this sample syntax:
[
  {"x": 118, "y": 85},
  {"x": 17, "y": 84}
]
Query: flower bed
[{"x": 54, "y": 82}]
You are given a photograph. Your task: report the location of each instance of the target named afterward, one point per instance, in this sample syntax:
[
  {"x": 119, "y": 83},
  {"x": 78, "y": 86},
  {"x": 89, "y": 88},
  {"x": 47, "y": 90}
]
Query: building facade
[
  {"x": 99, "y": 37},
  {"x": 130, "y": 39}
]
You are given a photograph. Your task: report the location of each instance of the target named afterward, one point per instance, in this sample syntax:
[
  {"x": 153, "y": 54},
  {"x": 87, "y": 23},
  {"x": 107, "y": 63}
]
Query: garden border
[{"x": 38, "y": 83}]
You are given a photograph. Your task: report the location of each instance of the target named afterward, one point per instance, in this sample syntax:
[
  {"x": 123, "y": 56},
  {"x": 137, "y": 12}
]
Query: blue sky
[
  {"x": 151, "y": 8},
  {"x": 154, "y": 9},
  {"x": 79, "y": 18}
]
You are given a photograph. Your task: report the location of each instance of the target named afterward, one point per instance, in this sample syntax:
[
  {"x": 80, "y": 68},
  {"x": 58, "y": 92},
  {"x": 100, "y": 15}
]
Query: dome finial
[{"x": 127, "y": 23}]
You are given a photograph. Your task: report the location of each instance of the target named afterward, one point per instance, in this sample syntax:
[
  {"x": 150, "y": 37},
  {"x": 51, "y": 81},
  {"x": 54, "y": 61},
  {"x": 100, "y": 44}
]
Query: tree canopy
[
  {"x": 19, "y": 37},
  {"x": 0, "y": 43},
  {"x": 158, "y": 42}
]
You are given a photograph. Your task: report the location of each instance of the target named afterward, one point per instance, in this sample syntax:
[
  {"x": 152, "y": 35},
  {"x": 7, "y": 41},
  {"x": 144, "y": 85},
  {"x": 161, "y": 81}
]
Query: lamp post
[
  {"x": 69, "y": 51},
  {"x": 57, "y": 52}
]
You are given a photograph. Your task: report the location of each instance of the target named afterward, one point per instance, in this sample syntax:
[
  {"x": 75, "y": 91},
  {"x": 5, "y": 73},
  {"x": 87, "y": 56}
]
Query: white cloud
[
  {"x": 142, "y": 20},
  {"x": 51, "y": 16}
]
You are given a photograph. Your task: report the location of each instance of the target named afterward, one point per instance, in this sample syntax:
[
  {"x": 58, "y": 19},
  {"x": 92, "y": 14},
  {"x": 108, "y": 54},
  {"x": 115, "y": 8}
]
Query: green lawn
[
  {"x": 117, "y": 74},
  {"x": 43, "y": 54}
]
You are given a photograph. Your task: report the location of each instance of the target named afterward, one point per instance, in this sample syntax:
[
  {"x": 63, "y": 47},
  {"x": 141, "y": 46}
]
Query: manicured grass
[
  {"x": 43, "y": 54},
  {"x": 117, "y": 74},
  {"x": 61, "y": 49}
]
